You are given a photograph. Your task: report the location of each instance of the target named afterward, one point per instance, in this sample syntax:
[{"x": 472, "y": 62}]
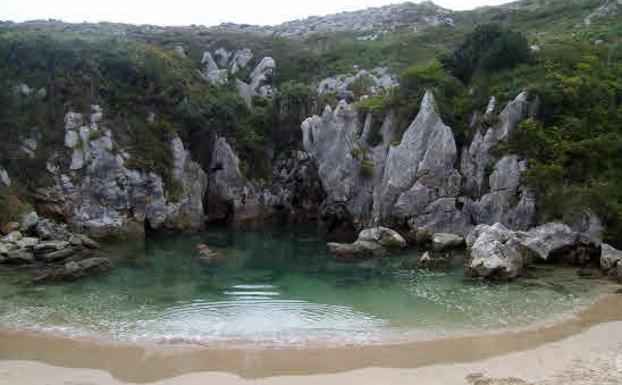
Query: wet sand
[
  {"x": 593, "y": 357},
  {"x": 113, "y": 363}
]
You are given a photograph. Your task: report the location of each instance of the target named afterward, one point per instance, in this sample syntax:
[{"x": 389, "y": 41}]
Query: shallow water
[{"x": 278, "y": 287}]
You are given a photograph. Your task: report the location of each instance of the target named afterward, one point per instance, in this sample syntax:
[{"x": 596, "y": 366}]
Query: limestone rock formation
[
  {"x": 420, "y": 170},
  {"x": 295, "y": 189},
  {"x": 240, "y": 60},
  {"x": 499, "y": 253},
  {"x": 376, "y": 81},
  {"x": 495, "y": 253},
  {"x": 211, "y": 72},
  {"x": 98, "y": 194}
]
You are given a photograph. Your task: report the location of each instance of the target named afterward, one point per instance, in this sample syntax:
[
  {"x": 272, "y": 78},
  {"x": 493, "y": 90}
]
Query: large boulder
[
  {"x": 383, "y": 236},
  {"x": 18, "y": 257},
  {"x": 371, "y": 243},
  {"x": 495, "y": 253},
  {"x": 357, "y": 251},
  {"x": 443, "y": 241},
  {"x": 29, "y": 221},
  {"x": 611, "y": 262},
  {"x": 560, "y": 243}
]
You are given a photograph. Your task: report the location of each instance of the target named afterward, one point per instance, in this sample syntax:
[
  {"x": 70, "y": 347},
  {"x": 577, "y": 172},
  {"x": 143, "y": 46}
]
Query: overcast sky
[{"x": 203, "y": 12}]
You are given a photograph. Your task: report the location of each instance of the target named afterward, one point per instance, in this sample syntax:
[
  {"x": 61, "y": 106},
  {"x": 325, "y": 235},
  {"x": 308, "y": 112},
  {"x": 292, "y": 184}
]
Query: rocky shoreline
[{"x": 50, "y": 250}]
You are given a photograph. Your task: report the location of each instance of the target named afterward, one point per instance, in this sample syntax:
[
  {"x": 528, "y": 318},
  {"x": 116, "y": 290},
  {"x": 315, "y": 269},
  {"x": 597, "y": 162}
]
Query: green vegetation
[{"x": 487, "y": 49}]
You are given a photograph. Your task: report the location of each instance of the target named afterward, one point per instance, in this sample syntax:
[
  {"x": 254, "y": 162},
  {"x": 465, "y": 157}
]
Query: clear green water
[{"x": 278, "y": 286}]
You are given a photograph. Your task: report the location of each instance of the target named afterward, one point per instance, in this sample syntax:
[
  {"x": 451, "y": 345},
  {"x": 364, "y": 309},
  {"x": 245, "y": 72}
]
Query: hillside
[{"x": 201, "y": 123}]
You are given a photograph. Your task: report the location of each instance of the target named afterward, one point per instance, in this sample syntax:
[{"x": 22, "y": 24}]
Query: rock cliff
[
  {"x": 420, "y": 181},
  {"x": 97, "y": 193}
]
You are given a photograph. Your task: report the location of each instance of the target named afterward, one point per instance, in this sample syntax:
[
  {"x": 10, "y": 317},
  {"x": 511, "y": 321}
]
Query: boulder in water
[
  {"x": 75, "y": 270},
  {"x": 371, "y": 243},
  {"x": 495, "y": 254},
  {"x": 444, "y": 241}
]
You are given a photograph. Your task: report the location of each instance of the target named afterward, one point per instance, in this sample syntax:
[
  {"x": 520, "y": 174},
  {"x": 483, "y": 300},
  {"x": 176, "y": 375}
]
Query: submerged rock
[
  {"x": 427, "y": 261},
  {"x": 75, "y": 270},
  {"x": 206, "y": 254}
]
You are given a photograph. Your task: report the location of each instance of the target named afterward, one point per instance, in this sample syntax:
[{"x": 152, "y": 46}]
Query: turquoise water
[{"x": 277, "y": 286}]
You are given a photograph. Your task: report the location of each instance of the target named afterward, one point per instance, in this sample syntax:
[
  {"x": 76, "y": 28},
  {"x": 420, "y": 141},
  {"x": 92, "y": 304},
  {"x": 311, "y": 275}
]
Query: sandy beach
[
  {"x": 591, "y": 357},
  {"x": 586, "y": 348}
]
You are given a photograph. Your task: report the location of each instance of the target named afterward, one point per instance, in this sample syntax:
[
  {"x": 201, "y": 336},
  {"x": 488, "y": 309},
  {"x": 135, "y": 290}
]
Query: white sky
[{"x": 202, "y": 12}]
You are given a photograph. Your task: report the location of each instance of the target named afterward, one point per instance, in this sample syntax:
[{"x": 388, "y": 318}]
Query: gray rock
[
  {"x": 428, "y": 262},
  {"x": 478, "y": 156},
  {"x": 50, "y": 246},
  {"x": 240, "y": 60},
  {"x": 495, "y": 253},
  {"x": 18, "y": 257},
  {"x": 211, "y": 72},
  {"x": 262, "y": 77},
  {"x": 180, "y": 50},
  {"x": 56, "y": 256},
  {"x": 73, "y": 270},
  {"x": 12, "y": 237},
  {"x": 110, "y": 200},
  {"x": 222, "y": 56},
  {"x": 371, "y": 243},
  {"x": 379, "y": 80},
  {"x": 88, "y": 242},
  {"x": 442, "y": 241},
  {"x": 4, "y": 177},
  {"x": 27, "y": 243},
  {"x": 75, "y": 241},
  {"x": 383, "y": 236},
  {"x": 29, "y": 221},
  {"x": 357, "y": 251},
  {"x": 610, "y": 258},
  {"x": 558, "y": 241},
  {"x": 424, "y": 160}
]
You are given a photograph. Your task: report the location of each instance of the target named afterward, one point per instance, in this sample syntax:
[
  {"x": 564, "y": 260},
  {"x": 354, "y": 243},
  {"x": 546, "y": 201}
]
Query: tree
[{"x": 488, "y": 48}]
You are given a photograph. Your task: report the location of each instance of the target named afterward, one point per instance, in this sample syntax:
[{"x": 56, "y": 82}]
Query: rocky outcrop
[
  {"x": 211, "y": 72},
  {"x": 75, "y": 270},
  {"x": 611, "y": 262},
  {"x": 415, "y": 183},
  {"x": 497, "y": 252},
  {"x": 419, "y": 173},
  {"x": 409, "y": 16},
  {"x": 98, "y": 194},
  {"x": 373, "y": 82},
  {"x": 371, "y": 243},
  {"x": 295, "y": 190},
  {"x": 503, "y": 199},
  {"x": 240, "y": 60}
]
